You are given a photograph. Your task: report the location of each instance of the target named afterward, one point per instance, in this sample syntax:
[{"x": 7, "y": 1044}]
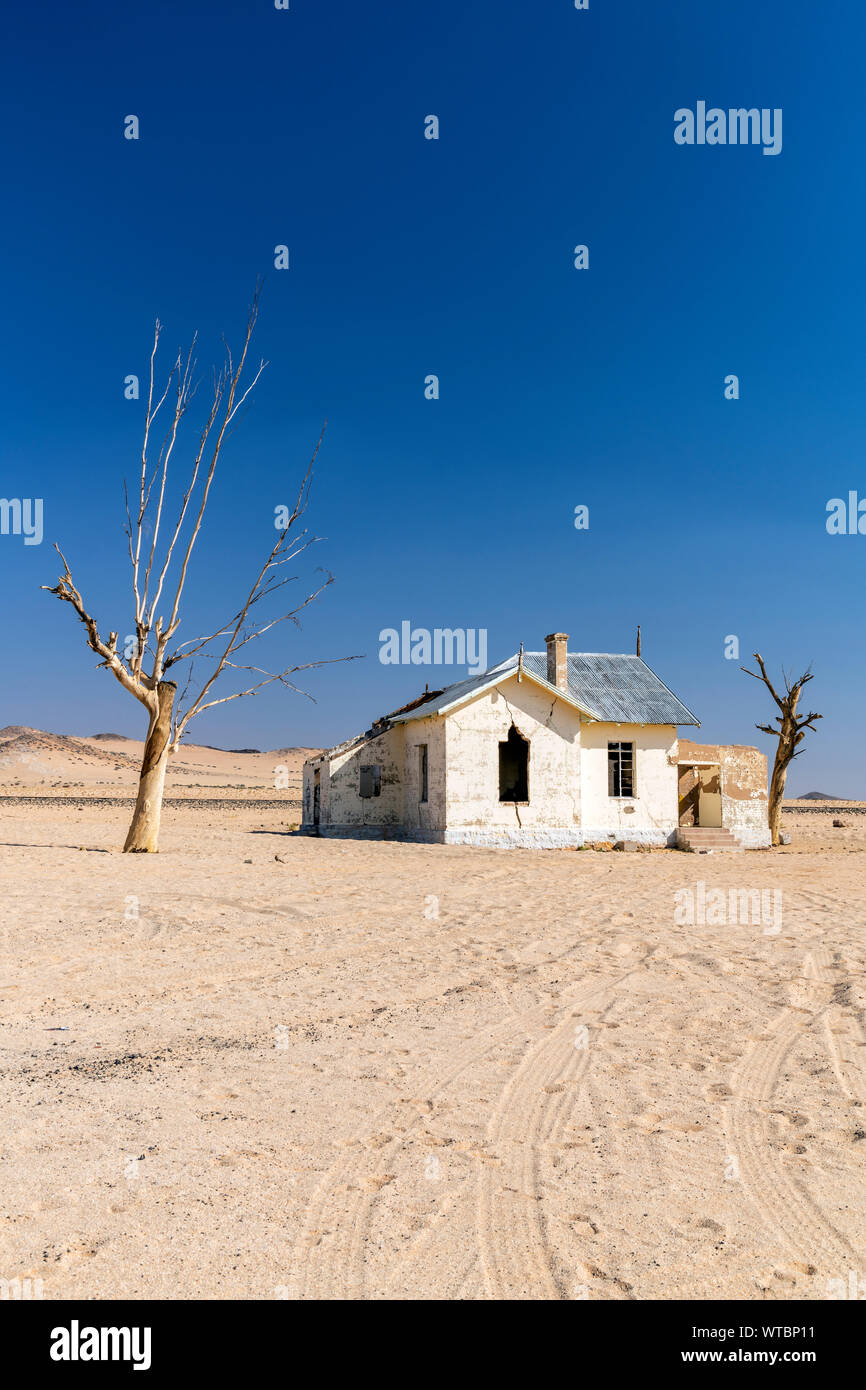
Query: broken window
[
  {"x": 371, "y": 780},
  {"x": 620, "y": 769},
  {"x": 422, "y": 771},
  {"x": 514, "y": 767}
]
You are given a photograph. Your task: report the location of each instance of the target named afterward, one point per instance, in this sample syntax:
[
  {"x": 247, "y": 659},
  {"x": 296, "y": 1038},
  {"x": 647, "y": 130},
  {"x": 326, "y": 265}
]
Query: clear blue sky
[{"x": 410, "y": 257}]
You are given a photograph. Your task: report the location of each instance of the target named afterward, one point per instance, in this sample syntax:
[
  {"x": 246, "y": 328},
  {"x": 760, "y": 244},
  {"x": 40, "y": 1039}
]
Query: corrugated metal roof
[
  {"x": 621, "y": 689},
  {"x": 610, "y": 688}
]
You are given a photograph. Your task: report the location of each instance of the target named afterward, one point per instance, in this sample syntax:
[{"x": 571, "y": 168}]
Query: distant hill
[
  {"x": 34, "y": 757},
  {"x": 819, "y": 796},
  {"x": 214, "y": 749}
]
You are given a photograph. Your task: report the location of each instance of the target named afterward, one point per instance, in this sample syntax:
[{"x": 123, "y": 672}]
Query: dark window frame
[
  {"x": 621, "y": 768},
  {"x": 423, "y": 773}
]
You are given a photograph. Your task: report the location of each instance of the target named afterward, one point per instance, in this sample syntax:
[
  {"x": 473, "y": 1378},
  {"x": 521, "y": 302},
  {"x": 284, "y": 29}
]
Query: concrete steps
[{"x": 706, "y": 839}]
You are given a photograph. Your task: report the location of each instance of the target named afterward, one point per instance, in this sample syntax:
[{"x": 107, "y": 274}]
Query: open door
[{"x": 700, "y": 794}]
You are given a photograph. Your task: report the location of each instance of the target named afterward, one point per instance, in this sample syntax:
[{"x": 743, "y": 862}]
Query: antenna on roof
[
  {"x": 520, "y": 664},
  {"x": 638, "y": 639}
]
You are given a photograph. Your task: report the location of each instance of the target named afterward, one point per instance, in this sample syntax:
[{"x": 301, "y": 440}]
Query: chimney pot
[{"x": 557, "y": 659}]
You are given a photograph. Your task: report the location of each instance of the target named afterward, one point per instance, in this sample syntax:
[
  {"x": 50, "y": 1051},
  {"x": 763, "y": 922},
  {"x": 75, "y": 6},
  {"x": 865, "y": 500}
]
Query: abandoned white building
[{"x": 548, "y": 750}]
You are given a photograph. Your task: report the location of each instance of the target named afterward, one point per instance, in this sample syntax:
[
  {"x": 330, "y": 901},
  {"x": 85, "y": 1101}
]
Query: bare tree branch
[
  {"x": 65, "y": 589},
  {"x": 269, "y": 678},
  {"x": 763, "y": 677},
  {"x": 790, "y": 735},
  {"x": 158, "y": 556}
]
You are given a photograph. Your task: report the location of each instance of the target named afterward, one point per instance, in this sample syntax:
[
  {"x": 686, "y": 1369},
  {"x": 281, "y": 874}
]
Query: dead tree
[
  {"x": 790, "y": 734},
  {"x": 143, "y": 664}
]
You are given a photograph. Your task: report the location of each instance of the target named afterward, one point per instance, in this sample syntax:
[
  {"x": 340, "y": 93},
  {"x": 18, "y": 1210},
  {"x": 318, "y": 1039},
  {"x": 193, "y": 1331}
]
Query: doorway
[{"x": 700, "y": 794}]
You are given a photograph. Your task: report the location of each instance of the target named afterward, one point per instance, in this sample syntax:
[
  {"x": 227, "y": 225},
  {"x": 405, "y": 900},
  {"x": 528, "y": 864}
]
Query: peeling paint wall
[
  {"x": 473, "y": 812},
  {"x": 651, "y": 815},
  {"x": 743, "y": 784},
  {"x": 340, "y": 801},
  {"x": 313, "y": 768},
  {"x": 419, "y": 815}
]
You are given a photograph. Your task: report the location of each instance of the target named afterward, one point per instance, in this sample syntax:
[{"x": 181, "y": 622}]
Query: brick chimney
[{"x": 557, "y": 659}]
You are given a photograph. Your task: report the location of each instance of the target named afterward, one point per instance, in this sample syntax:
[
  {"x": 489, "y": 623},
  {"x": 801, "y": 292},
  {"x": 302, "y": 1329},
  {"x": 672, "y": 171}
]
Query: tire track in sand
[
  {"x": 329, "y": 1253},
  {"x": 792, "y": 1215},
  {"x": 517, "y": 1259},
  {"x": 328, "y": 1259},
  {"x": 845, "y": 1040}
]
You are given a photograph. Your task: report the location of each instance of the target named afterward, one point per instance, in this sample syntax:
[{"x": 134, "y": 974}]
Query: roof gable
[{"x": 454, "y": 695}]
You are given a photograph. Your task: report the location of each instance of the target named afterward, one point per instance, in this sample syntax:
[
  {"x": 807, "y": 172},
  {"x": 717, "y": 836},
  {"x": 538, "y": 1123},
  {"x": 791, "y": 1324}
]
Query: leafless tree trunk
[
  {"x": 142, "y": 672},
  {"x": 143, "y": 837},
  {"x": 790, "y": 734}
]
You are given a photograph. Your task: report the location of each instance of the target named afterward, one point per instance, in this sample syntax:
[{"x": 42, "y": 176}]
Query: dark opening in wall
[
  {"x": 371, "y": 780},
  {"x": 514, "y": 767}
]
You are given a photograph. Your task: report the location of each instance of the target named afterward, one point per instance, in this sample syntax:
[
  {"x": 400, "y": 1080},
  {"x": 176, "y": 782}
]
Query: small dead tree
[
  {"x": 142, "y": 667},
  {"x": 790, "y": 734}
]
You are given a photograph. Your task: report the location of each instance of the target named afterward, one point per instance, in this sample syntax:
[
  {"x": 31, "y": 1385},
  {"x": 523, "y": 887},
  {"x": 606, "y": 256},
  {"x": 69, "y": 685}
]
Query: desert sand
[{"x": 260, "y": 1065}]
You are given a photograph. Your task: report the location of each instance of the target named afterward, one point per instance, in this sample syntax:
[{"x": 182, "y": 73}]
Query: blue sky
[{"x": 409, "y": 257}]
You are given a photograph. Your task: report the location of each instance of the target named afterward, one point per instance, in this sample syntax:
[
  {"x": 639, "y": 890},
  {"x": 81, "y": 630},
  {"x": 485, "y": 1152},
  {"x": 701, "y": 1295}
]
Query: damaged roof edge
[{"x": 470, "y": 689}]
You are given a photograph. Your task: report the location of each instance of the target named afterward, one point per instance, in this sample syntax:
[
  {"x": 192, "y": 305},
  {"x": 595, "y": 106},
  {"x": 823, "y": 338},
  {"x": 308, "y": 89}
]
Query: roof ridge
[{"x": 570, "y": 653}]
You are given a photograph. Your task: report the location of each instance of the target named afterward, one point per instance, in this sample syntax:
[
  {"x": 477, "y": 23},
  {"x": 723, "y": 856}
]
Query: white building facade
[{"x": 548, "y": 750}]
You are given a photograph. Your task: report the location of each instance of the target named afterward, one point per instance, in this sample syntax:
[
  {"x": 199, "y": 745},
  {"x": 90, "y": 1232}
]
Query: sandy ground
[
  {"x": 35, "y": 762},
  {"x": 261, "y": 1066}
]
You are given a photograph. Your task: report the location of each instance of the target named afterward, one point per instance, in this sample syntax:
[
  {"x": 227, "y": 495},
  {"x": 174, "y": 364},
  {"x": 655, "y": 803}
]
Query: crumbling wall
[
  {"x": 341, "y": 807},
  {"x": 474, "y": 814},
  {"x": 743, "y": 786}
]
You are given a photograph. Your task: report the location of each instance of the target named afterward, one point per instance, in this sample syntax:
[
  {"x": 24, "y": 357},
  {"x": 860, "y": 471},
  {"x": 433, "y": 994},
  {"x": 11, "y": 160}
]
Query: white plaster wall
[
  {"x": 474, "y": 814},
  {"x": 419, "y": 815},
  {"x": 755, "y": 835},
  {"x": 652, "y": 815},
  {"x": 747, "y": 815},
  {"x": 342, "y": 805}
]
